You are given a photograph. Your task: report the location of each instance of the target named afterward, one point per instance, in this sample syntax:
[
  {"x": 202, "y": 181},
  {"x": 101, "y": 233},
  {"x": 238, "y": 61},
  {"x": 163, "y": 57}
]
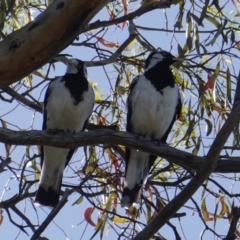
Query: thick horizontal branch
[
  {"x": 113, "y": 138},
  {"x": 140, "y": 11}
]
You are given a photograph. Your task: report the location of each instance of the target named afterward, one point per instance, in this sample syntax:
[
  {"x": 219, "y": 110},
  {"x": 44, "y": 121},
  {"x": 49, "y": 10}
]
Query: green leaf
[
  {"x": 196, "y": 19},
  {"x": 3, "y": 6},
  {"x": 180, "y": 51},
  {"x": 213, "y": 21},
  {"x": 189, "y": 31},
  {"x": 189, "y": 24},
  {"x": 220, "y": 31},
  {"x": 92, "y": 155},
  {"x": 196, "y": 39},
  {"x": 10, "y": 5},
  {"x": 204, "y": 49},
  {"x": 149, "y": 213},
  {"x": 78, "y": 201},
  {"x": 209, "y": 126},
  {"x": 98, "y": 95},
  {"x": 2, "y": 19},
  {"x": 217, "y": 70},
  {"x": 229, "y": 86},
  {"x": 197, "y": 147},
  {"x": 50, "y": 1},
  {"x": 203, "y": 13}
]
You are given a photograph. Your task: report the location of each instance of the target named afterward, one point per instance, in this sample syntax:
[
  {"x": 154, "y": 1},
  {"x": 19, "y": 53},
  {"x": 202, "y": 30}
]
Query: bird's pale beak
[
  {"x": 178, "y": 62},
  {"x": 61, "y": 58}
]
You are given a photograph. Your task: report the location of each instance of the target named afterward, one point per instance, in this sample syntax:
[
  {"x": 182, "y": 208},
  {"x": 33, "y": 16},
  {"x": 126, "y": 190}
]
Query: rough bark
[
  {"x": 35, "y": 44},
  {"x": 113, "y": 138}
]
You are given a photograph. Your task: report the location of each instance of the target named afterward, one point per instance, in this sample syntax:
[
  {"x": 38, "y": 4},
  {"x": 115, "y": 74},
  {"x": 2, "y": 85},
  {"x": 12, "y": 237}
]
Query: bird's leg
[
  {"x": 159, "y": 141},
  {"x": 138, "y": 135}
]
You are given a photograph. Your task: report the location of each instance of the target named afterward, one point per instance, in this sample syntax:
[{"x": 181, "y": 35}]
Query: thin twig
[
  {"x": 20, "y": 214},
  {"x": 52, "y": 214},
  {"x": 114, "y": 56},
  {"x": 112, "y": 138}
]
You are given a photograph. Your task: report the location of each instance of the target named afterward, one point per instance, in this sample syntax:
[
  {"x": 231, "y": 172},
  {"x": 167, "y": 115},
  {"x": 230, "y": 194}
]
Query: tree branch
[
  {"x": 113, "y": 138},
  {"x": 52, "y": 214},
  {"x": 22, "y": 99},
  {"x": 235, "y": 217},
  {"x": 21, "y": 52},
  {"x": 114, "y": 56},
  {"x": 140, "y": 11}
]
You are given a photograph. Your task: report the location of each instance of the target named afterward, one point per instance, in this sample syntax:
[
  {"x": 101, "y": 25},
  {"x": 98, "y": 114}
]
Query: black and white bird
[
  {"x": 154, "y": 103},
  {"x": 68, "y": 104}
]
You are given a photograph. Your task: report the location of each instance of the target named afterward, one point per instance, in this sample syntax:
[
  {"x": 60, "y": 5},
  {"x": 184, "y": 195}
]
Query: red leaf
[
  {"x": 234, "y": 3},
  {"x": 124, "y": 2},
  {"x": 237, "y": 45},
  {"x": 116, "y": 166},
  {"x": 112, "y": 15},
  {"x": 87, "y": 215},
  {"x": 210, "y": 83},
  {"x": 149, "y": 191},
  {"x": 106, "y": 43},
  {"x": 115, "y": 163}
]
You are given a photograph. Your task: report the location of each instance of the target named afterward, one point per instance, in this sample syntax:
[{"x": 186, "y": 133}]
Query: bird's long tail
[
  {"x": 136, "y": 175},
  {"x": 51, "y": 176},
  {"x": 48, "y": 195}
]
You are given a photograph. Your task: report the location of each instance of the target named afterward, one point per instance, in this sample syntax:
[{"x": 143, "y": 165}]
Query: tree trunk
[{"x": 32, "y": 46}]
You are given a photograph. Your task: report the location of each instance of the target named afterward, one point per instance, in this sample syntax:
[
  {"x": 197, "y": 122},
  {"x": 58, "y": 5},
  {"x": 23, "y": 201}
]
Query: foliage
[{"x": 206, "y": 35}]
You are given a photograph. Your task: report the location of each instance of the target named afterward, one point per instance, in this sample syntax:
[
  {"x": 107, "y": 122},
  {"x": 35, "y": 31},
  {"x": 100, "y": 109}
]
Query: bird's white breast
[
  {"x": 62, "y": 113},
  {"x": 152, "y": 112}
]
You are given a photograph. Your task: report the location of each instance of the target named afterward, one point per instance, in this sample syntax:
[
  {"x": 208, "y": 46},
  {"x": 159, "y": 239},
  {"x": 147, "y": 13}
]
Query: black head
[
  {"x": 159, "y": 58},
  {"x": 75, "y": 65}
]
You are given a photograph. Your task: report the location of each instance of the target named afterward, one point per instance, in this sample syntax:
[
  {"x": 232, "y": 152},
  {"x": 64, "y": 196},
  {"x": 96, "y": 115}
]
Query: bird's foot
[
  {"x": 69, "y": 131},
  {"x": 138, "y": 135},
  {"x": 159, "y": 141}
]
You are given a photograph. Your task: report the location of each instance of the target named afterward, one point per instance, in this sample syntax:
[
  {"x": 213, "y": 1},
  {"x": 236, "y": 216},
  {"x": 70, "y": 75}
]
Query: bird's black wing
[
  {"x": 129, "y": 104},
  {"x": 129, "y": 114},
  {"x": 44, "y": 125}
]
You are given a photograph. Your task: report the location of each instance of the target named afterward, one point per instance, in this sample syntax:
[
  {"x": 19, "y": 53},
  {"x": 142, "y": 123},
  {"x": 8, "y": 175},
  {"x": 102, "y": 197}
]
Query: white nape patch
[
  {"x": 152, "y": 112},
  {"x": 85, "y": 71},
  {"x": 72, "y": 65},
  {"x": 156, "y": 58}
]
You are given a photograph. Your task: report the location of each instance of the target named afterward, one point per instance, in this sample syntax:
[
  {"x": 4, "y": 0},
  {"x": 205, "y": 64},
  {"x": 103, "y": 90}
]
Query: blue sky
[{"x": 69, "y": 223}]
